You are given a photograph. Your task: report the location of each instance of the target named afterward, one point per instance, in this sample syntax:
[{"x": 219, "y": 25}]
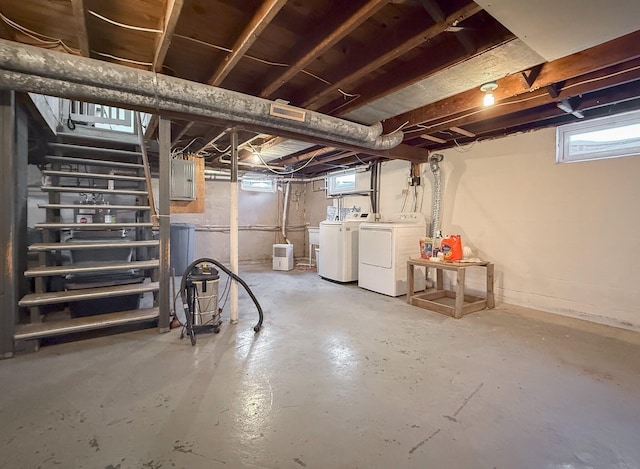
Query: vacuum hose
[{"x": 183, "y": 287}]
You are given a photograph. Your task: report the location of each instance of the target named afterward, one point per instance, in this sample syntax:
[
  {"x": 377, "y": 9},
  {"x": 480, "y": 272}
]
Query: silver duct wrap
[
  {"x": 434, "y": 163},
  {"x": 284, "y": 212}
]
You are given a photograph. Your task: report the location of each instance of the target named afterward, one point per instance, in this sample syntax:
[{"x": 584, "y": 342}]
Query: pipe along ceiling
[{"x": 32, "y": 69}]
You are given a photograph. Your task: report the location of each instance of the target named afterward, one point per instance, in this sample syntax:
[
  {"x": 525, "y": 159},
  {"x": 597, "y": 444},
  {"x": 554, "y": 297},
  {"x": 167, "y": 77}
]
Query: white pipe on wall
[{"x": 233, "y": 225}]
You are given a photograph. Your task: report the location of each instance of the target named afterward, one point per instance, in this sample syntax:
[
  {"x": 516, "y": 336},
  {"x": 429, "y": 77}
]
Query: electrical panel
[{"x": 183, "y": 179}]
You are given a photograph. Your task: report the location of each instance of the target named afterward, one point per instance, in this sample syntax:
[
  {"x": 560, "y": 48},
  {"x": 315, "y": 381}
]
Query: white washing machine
[
  {"x": 339, "y": 248},
  {"x": 384, "y": 250}
]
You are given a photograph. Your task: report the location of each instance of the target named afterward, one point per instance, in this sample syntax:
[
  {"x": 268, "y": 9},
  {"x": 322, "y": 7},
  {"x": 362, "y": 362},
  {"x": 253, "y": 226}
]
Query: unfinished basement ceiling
[
  {"x": 412, "y": 64},
  {"x": 556, "y": 29}
]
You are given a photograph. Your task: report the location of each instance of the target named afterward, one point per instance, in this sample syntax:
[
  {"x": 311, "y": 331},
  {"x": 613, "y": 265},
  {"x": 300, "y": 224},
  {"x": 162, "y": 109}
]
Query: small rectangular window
[
  {"x": 342, "y": 183},
  {"x": 608, "y": 137},
  {"x": 257, "y": 184}
]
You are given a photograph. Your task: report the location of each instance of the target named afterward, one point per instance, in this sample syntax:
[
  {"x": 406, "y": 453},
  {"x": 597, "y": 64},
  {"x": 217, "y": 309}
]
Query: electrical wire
[
  {"x": 43, "y": 39},
  {"x": 122, "y": 59},
  {"x": 283, "y": 173},
  {"x": 464, "y": 149},
  {"x": 123, "y": 25},
  {"x": 267, "y": 62},
  {"x": 398, "y": 129}
]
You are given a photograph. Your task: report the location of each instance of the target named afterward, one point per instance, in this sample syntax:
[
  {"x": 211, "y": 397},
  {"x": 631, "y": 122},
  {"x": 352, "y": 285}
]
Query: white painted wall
[
  {"x": 261, "y": 211},
  {"x": 564, "y": 238}
]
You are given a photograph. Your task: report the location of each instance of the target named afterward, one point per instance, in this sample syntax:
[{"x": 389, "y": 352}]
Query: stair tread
[
  {"x": 75, "y": 174},
  {"x": 93, "y": 226},
  {"x": 89, "y": 149},
  {"x": 67, "y": 326},
  {"x": 118, "y": 207},
  {"x": 79, "y": 246},
  {"x": 92, "y": 190},
  {"x": 87, "y": 268},
  {"x": 94, "y": 162},
  {"x": 37, "y": 299}
]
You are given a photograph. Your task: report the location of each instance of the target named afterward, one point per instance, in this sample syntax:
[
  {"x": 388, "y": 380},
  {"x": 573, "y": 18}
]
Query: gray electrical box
[{"x": 183, "y": 179}]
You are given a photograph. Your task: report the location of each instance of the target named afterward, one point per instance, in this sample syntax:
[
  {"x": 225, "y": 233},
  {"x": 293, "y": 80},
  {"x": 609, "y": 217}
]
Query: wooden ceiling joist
[
  {"x": 464, "y": 132},
  {"x": 406, "y": 74},
  {"x": 321, "y": 40},
  {"x": 260, "y": 20},
  {"x": 602, "y": 79},
  {"x": 307, "y": 155},
  {"x": 182, "y": 133},
  {"x": 81, "y": 26},
  {"x": 171, "y": 16},
  {"x": 431, "y": 138},
  {"x": 605, "y": 55},
  {"x": 371, "y": 62}
]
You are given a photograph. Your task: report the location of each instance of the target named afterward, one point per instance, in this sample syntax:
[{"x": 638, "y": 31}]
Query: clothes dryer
[{"x": 384, "y": 249}]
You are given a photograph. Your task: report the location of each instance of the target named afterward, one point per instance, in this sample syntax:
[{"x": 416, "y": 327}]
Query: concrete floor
[{"x": 338, "y": 378}]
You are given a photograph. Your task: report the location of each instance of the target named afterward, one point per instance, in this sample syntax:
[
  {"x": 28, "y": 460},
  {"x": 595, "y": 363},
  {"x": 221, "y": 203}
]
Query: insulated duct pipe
[
  {"x": 284, "y": 212},
  {"x": 29, "y": 68},
  {"x": 434, "y": 163}
]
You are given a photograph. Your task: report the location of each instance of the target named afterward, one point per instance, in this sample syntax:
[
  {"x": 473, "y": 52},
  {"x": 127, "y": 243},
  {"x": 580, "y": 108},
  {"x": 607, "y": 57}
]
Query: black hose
[{"x": 187, "y": 272}]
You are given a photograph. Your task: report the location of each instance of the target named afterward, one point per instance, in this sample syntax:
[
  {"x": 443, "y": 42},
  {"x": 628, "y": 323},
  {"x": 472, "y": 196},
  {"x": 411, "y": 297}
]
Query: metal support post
[{"x": 164, "y": 299}]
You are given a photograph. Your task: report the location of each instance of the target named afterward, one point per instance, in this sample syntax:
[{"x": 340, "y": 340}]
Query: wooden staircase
[{"x": 98, "y": 246}]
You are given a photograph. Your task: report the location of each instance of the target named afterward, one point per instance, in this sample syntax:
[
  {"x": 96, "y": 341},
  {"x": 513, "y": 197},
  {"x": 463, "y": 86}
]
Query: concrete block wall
[{"x": 260, "y": 219}]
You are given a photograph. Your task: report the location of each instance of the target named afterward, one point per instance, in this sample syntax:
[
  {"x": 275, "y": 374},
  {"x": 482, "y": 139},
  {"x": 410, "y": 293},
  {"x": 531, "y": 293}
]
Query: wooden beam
[
  {"x": 599, "y": 57},
  {"x": 328, "y": 159},
  {"x": 407, "y": 73},
  {"x": 602, "y": 79},
  {"x": 184, "y": 130},
  {"x": 550, "y": 114},
  {"x": 260, "y": 20},
  {"x": 438, "y": 15},
  {"x": 368, "y": 64},
  {"x": 306, "y": 155},
  {"x": 432, "y": 138},
  {"x": 464, "y": 132},
  {"x": 171, "y": 16},
  {"x": 151, "y": 127},
  {"x": 81, "y": 26},
  {"x": 322, "y": 40}
]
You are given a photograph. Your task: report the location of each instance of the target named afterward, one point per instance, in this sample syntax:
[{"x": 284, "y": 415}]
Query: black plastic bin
[{"x": 105, "y": 305}]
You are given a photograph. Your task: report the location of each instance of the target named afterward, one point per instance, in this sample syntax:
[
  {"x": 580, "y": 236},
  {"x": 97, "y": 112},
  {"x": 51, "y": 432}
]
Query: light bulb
[
  {"x": 488, "y": 89},
  {"x": 488, "y": 99}
]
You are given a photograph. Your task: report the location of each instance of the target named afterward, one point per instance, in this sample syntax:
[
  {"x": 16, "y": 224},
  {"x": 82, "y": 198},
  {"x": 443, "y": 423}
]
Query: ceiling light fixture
[{"x": 488, "y": 89}]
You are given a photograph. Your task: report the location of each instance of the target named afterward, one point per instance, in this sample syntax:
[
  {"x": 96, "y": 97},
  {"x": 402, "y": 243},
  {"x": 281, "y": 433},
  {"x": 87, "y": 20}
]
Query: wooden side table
[{"x": 464, "y": 304}]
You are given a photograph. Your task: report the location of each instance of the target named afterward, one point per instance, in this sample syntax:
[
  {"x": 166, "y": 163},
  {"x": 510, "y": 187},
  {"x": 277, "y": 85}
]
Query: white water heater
[{"x": 282, "y": 256}]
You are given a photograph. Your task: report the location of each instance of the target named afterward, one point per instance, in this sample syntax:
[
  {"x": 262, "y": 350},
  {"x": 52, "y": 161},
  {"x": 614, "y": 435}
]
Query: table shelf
[{"x": 453, "y": 303}]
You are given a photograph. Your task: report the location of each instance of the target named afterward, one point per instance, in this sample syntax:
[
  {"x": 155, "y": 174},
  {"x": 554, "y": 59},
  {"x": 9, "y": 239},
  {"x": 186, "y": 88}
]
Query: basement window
[
  {"x": 608, "y": 137},
  {"x": 341, "y": 183},
  {"x": 256, "y": 183}
]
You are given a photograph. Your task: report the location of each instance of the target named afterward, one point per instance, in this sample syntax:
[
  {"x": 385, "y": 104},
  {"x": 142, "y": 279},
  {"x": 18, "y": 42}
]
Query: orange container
[{"x": 452, "y": 248}]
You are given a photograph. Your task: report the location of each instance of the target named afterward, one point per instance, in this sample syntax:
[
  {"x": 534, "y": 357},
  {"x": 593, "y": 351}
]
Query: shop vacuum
[{"x": 199, "y": 293}]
